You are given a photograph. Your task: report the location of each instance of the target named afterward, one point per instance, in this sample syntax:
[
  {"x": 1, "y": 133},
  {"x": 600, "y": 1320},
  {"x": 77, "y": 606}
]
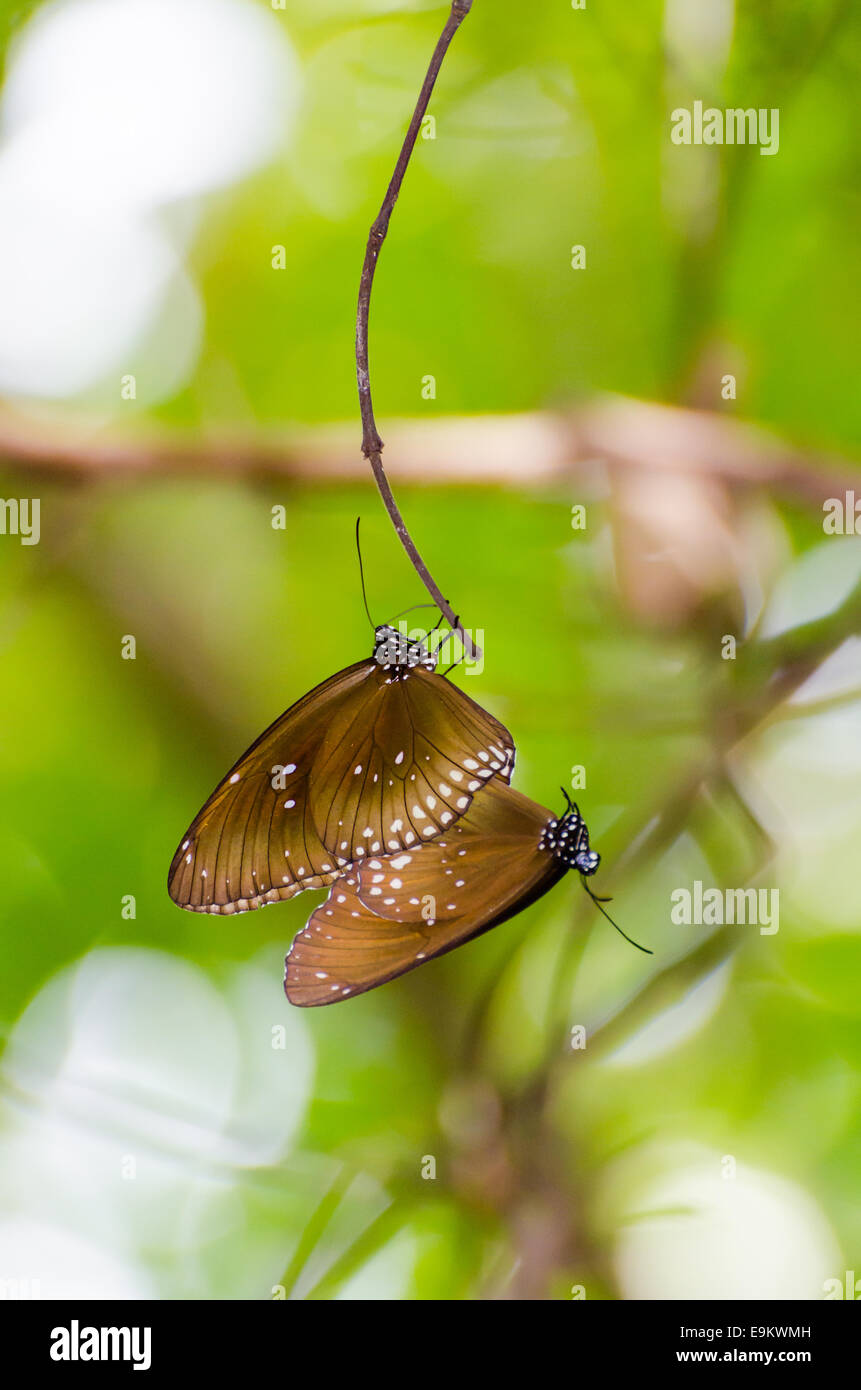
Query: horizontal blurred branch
[{"x": 536, "y": 447}]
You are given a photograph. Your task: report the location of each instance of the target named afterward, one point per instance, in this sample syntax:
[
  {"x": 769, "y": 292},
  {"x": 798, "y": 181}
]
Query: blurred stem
[
  {"x": 774, "y": 668},
  {"x": 771, "y": 671},
  {"x": 372, "y": 444},
  {"x": 372, "y": 1239},
  {"x": 320, "y": 1219},
  {"x": 664, "y": 989},
  {"x": 808, "y": 708}
]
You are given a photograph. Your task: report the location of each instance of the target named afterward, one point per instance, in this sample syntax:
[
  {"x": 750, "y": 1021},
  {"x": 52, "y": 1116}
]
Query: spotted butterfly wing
[
  {"x": 255, "y": 841},
  {"x": 382, "y": 756},
  {"x": 401, "y": 761},
  {"x": 391, "y": 913}
]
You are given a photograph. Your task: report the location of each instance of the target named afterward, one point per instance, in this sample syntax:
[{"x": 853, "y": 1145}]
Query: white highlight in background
[
  {"x": 137, "y": 1095},
  {"x": 111, "y": 110},
  {"x": 751, "y": 1236}
]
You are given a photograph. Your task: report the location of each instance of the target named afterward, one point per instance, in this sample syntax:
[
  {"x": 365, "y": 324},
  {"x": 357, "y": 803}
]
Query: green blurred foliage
[{"x": 552, "y": 129}]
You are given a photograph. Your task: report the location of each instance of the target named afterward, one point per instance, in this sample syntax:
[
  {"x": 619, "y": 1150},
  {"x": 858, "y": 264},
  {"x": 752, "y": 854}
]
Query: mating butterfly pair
[{"x": 390, "y": 784}]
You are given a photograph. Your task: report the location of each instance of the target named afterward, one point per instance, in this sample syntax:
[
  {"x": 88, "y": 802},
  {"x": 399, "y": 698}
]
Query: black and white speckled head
[
  {"x": 394, "y": 651},
  {"x": 568, "y": 839}
]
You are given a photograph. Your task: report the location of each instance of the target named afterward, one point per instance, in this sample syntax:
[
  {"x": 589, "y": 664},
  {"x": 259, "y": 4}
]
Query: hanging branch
[{"x": 372, "y": 444}]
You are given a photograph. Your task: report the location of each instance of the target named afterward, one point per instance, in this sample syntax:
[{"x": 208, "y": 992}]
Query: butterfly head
[
  {"x": 568, "y": 839},
  {"x": 396, "y": 652}
]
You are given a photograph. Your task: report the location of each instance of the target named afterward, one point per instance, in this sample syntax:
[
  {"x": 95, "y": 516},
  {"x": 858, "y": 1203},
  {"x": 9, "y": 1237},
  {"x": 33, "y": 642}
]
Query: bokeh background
[{"x": 185, "y": 191}]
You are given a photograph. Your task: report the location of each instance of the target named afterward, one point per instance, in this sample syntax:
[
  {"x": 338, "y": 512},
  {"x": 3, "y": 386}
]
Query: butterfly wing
[
  {"x": 255, "y": 841},
  {"x": 401, "y": 762},
  {"x": 371, "y": 762},
  {"x": 393, "y": 912}
]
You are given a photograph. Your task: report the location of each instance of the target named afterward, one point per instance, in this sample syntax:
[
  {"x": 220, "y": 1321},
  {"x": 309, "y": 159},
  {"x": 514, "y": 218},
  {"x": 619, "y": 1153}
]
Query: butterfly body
[
  {"x": 398, "y": 655},
  {"x": 568, "y": 839}
]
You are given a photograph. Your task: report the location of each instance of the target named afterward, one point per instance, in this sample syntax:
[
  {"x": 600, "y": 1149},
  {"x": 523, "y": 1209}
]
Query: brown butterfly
[
  {"x": 381, "y": 757},
  {"x": 393, "y": 912}
]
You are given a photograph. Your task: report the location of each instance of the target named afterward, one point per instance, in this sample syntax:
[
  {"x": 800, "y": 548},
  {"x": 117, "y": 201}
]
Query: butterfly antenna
[
  {"x": 362, "y": 575},
  {"x": 598, "y": 901},
  {"x": 571, "y": 806}
]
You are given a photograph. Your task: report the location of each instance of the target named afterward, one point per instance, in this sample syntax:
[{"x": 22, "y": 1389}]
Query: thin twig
[{"x": 372, "y": 444}]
